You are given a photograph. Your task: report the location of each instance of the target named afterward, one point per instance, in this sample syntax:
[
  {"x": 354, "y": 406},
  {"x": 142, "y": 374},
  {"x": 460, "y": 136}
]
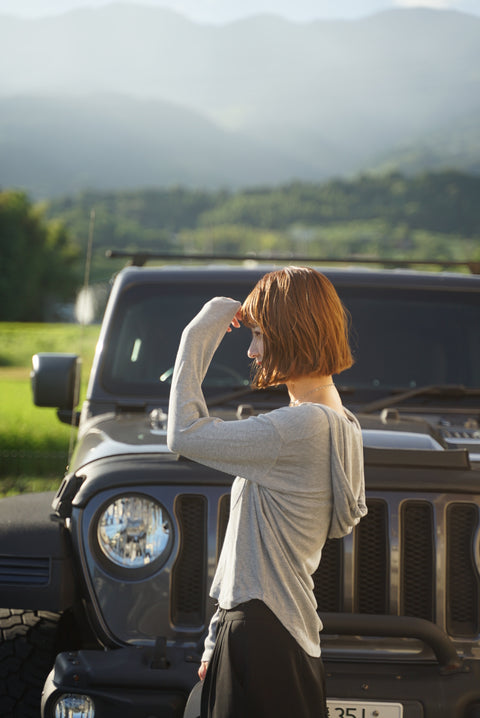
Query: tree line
[
  {"x": 428, "y": 216},
  {"x": 438, "y": 202},
  {"x": 38, "y": 266}
]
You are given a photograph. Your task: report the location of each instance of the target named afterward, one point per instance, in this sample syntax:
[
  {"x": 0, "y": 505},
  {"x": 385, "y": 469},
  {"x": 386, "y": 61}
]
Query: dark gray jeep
[{"x": 105, "y": 585}]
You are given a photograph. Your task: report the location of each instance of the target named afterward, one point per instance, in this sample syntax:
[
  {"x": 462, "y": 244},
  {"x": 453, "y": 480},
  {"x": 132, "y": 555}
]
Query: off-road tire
[{"x": 28, "y": 641}]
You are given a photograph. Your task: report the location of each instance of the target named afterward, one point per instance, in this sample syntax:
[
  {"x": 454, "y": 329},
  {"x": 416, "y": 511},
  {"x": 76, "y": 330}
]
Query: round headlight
[
  {"x": 74, "y": 706},
  {"x": 133, "y": 531}
]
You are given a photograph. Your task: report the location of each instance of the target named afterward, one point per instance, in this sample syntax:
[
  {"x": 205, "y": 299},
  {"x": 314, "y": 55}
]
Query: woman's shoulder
[
  {"x": 310, "y": 417},
  {"x": 300, "y": 421},
  {"x": 340, "y": 416}
]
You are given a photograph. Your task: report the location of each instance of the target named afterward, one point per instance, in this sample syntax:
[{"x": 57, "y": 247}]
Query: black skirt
[{"x": 258, "y": 670}]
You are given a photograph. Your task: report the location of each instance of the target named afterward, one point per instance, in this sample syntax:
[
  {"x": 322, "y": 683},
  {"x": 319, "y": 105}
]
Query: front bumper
[
  {"x": 421, "y": 689},
  {"x": 124, "y": 683},
  {"x": 130, "y": 682},
  {"x": 155, "y": 682},
  {"x": 447, "y": 686}
]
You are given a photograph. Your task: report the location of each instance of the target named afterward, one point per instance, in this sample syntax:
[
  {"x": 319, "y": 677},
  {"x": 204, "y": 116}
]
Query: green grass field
[{"x": 34, "y": 444}]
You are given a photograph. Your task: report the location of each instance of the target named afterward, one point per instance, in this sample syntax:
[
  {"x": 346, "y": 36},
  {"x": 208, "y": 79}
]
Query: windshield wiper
[
  {"x": 442, "y": 390},
  {"x": 244, "y": 391}
]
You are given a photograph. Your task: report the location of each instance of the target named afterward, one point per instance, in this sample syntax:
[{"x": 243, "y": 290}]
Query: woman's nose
[{"x": 252, "y": 351}]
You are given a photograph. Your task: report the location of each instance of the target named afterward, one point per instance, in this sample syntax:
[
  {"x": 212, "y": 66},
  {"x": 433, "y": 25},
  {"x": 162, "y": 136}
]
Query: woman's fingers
[
  {"x": 202, "y": 671},
  {"x": 236, "y": 321}
]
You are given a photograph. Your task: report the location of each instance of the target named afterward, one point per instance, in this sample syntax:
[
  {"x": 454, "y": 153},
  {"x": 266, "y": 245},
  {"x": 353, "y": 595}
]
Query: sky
[{"x": 221, "y": 11}]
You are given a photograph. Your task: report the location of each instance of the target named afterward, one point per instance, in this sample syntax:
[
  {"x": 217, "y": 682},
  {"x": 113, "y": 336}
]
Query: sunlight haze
[{"x": 211, "y": 11}]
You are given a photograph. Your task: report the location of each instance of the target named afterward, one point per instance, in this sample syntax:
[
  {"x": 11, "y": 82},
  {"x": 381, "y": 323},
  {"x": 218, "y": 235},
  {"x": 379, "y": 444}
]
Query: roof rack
[{"x": 139, "y": 259}]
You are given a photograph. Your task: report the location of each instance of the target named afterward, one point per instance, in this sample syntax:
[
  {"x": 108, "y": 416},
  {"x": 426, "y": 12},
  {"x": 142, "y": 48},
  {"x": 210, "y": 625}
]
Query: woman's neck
[{"x": 310, "y": 388}]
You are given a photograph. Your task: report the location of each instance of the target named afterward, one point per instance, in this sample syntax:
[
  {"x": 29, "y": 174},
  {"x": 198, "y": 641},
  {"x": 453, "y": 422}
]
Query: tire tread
[{"x": 27, "y": 652}]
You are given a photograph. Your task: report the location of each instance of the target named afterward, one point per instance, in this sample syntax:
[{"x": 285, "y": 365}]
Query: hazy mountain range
[{"x": 131, "y": 97}]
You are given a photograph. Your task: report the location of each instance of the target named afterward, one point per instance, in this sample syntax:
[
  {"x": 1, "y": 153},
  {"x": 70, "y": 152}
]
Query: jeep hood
[
  {"x": 399, "y": 433},
  {"x": 126, "y": 433},
  {"x": 118, "y": 434}
]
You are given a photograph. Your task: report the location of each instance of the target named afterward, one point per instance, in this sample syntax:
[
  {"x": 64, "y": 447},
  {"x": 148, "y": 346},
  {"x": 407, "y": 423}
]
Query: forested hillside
[{"x": 429, "y": 216}]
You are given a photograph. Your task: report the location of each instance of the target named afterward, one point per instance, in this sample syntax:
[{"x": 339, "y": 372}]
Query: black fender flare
[{"x": 36, "y": 562}]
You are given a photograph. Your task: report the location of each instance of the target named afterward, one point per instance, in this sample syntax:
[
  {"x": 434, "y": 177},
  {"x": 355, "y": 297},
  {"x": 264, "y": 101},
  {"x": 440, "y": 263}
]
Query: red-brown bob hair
[{"x": 304, "y": 326}]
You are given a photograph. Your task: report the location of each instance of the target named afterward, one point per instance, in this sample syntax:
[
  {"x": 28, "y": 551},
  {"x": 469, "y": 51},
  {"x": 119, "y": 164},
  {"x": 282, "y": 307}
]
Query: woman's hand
[
  {"x": 236, "y": 321},
  {"x": 202, "y": 671}
]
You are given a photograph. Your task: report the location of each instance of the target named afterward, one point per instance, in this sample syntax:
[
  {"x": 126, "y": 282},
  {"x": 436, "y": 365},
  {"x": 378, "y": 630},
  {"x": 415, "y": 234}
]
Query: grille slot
[
  {"x": 190, "y": 570},
  {"x": 328, "y": 578},
  {"x": 28, "y": 571},
  {"x": 418, "y": 561},
  {"x": 462, "y": 579},
  {"x": 372, "y": 561}
]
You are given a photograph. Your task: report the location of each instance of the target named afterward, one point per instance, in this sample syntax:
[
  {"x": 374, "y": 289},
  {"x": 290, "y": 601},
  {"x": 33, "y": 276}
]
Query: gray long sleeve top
[{"x": 299, "y": 480}]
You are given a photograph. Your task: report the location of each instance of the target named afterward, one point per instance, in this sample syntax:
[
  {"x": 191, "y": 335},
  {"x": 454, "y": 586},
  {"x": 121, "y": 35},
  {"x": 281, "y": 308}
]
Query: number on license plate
[{"x": 363, "y": 709}]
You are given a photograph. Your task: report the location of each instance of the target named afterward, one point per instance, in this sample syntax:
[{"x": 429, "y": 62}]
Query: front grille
[
  {"x": 28, "y": 571},
  {"x": 405, "y": 558},
  {"x": 409, "y": 556}
]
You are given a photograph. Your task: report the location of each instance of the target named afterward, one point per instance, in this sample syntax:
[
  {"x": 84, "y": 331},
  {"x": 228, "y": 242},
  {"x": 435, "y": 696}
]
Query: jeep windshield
[
  {"x": 145, "y": 334},
  {"x": 402, "y": 338}
]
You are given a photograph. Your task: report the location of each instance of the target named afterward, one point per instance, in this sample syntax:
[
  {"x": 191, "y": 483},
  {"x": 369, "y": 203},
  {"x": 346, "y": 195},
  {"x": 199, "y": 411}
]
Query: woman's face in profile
[{"x": 255, "y": 350}]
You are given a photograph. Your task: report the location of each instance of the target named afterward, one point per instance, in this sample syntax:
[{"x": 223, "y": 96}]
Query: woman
[{"x": 299, "y": 480}]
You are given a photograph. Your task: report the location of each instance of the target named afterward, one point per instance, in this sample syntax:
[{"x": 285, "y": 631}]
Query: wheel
[{"x": 28, "y": 641}]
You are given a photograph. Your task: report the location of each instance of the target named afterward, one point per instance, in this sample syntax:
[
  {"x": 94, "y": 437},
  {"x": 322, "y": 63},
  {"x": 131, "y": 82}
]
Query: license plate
[{"x": 363, "y": 709}]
